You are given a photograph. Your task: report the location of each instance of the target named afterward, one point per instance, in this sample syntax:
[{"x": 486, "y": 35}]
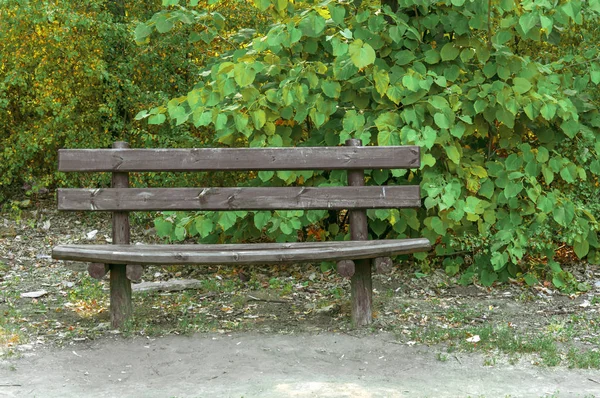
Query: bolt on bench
[{"x": 125, "y": 261}]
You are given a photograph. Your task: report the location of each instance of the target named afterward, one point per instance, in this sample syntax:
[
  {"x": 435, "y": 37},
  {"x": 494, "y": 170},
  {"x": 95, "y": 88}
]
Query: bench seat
[{"x": 254, "y": 253}]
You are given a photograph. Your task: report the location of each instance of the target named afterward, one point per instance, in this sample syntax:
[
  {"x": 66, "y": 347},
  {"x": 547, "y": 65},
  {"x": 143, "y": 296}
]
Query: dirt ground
[
  {"x": 280, "y": 331},
  {"x": 258, "y": 365}
]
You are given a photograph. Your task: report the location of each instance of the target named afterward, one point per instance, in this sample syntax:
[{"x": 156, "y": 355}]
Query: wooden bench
[{"x": 125, "y": 261}]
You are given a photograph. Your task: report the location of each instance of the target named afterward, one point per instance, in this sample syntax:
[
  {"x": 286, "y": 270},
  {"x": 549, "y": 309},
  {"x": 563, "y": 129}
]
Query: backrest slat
[
  {"x": 266, "y": 198},
  {"x": 239, "y": 159}
]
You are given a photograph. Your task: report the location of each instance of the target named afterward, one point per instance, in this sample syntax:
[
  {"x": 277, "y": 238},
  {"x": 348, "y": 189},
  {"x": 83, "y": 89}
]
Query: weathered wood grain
[
  {"x": 239, "y": 254},
  {"x": 98, "y": 270},
  {"x": 205, "y": 159},
  {"x": 262, "y": 198},
  {"x": 134, "y": 272},
  {"x": 360, "y": 284},
  {"x": 121, "y": 306},
  {"x": 346, "y": 268}
]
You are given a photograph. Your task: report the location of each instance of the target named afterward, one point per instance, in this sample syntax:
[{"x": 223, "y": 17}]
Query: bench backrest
[{"x": 353, "y": 158}]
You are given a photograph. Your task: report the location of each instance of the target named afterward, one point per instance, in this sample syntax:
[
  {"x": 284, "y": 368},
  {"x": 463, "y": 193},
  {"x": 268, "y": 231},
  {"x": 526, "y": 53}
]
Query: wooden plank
[
  {"x": 205, "y": 159},
  {"x": 121, "y": 306},
  {"x": 361, "y": 290},
  {"x": 239, "y": 254},
  {"x": 261, "y": 198}
]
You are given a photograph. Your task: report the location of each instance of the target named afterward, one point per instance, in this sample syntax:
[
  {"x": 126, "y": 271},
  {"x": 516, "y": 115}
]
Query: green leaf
[
  {"x": 499, "y": 260},
  {"x": 337, "y": 13},
  {"x": 261, "y": 219},
  {"x": 441, "y": 120},
  {"x": 411, "y": 82},
  {"x": 266, "y": 175},
  {"x": 548, "y": 111},
  {"x": 581, "y": 248},
  {"x": 438, "y": 226},
  {"x": 449, "y": 52},
  {"x": 530, "y": 279},
  {"x": 204, "y": 226},
  {"x": 244, "y": 74},
  {"x": 513, "y": 162},
  {"x": 141, "y": 115},
  {"x": 595, "y": 167},
  {"x": 547, "y": 24},
  {"x": 387, "y": 121},
  {"x": 361, "y": 54},
  {"x": 548, "y": 174},
  {"x": 513, "y": 189},
  {"x": 404, "y": 57},
  {"x": 142, "y": 31},
  {"x": 157, "y": 119},
  {"x": 382, "y": 80},
  {"x": 569, "y": 173},
  {"x": 505, "y": 117},
  {"x": 227, "y": 219},
  {"x": 163, "y": 24},
  {"x": 452, "y": 153},
  {"x": 432, "y": 56},
  {"x": 542, "y": 155},
  {"x": 564, "y": 214},
  {"x": 312, "y": 25},
  {"x": 164, "y": 228},
  {"x": 438, "y": 102},
  {"x": 570, "y": 127},
  {"x": 521, "y": 85},
  {"x": 527, "y": 21},
  {"x": 353, "y": 121},
  {"x": 339, "y": 47},
  {"x": 388, "y": 138},
  {"x": 259, "y": 118},
  {"x": 488, "y": 277},
  {"x": 380, "y": 176},
  {"x": 331, "y": 88}
]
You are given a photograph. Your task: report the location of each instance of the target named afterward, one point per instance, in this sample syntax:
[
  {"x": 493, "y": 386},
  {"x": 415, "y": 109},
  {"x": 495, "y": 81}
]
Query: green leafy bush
[{"x": 502, "y": 100}]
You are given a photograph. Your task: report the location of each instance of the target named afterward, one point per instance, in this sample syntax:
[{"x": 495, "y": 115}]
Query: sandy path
[{"x": 253, "y": 365}]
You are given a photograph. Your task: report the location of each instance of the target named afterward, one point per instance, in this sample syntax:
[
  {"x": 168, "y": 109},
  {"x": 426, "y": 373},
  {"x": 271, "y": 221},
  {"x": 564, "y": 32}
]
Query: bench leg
[
  {"x": 361, "y": 291},
  {"x": 120, "y": 296}
]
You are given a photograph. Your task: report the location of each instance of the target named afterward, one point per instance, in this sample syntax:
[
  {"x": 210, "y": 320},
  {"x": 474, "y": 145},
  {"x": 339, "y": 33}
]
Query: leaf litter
[{"x": 46, "y": 302}]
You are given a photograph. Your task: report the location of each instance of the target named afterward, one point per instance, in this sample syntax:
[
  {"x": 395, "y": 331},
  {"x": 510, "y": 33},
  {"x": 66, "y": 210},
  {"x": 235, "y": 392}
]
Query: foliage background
[
  {"x": 71, "y": 76},
  {"x": 502, "y": 96}
]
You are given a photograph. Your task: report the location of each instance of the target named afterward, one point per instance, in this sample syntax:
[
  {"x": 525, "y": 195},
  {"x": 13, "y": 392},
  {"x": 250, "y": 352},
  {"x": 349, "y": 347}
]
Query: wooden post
[
  {"x": 98, "y": 270},
  {"x": 361, "y": 285},
  {"x": 120, "y": 286},
  {"x": 134, "y": 272},
  {"x": 346, "y": 268}
]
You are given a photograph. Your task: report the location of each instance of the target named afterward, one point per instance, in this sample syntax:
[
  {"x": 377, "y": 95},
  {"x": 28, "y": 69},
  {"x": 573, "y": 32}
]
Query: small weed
[
  {"x": 336, "y": 292},
  {"x": 583, "y": 359},
  {"x": 87, "y": 289},
  {"x": 210, "y": 285},
  {"x": 441, "y": 357},
  {"x": 274, "y": 283},
  {"x": 287, "y": 288}
]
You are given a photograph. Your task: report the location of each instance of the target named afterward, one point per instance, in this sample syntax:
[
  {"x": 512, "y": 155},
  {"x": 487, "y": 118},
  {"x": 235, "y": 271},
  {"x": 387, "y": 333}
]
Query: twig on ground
[{"x": 268, "y": 300}]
